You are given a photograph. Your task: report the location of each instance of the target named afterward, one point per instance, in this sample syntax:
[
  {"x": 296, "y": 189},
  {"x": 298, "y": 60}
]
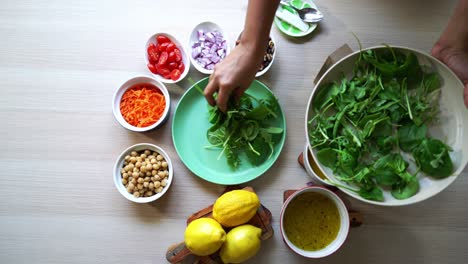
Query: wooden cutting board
[{"x": 179, "y": 253}]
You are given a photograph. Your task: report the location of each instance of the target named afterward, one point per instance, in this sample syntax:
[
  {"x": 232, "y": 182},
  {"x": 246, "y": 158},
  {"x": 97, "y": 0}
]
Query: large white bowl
[{"x": 452, "y": 128}]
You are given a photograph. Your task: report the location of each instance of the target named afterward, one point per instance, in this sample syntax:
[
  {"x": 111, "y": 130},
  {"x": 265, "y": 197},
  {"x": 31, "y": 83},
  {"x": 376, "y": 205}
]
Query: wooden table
[{"x": 60, "y": 63}]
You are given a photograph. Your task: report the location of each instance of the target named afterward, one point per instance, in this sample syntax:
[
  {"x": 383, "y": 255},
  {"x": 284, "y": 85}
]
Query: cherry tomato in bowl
[{"x": 166, "y": 58}]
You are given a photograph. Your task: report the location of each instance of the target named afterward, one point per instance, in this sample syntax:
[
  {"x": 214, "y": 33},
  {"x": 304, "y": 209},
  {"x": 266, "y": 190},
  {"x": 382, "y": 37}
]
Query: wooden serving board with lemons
[{"x": 234, "y": 227}]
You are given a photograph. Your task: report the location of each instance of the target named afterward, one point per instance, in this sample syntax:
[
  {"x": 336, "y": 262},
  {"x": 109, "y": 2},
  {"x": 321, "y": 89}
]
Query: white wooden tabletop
[{"x": 61, "y": 62}]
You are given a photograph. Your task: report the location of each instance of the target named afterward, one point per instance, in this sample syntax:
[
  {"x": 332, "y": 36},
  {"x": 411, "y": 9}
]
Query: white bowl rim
[
  {"x": 125, "y": 86},
  {"x": 204, "y": 25},
  {"x": 262, "y": 72},
  {"x": 344, "y": 225},
  {"x": 404, "y": 202},
  {"x": 185, "y": 57},
  {"x": 118, "y": 178}
]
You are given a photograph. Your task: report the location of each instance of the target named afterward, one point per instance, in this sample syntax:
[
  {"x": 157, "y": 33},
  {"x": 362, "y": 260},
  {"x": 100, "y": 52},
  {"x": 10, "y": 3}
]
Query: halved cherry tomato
[
  {"x": 177, "y": 54},
  {"x": 163, "y": 46},
  {"x": 162, "y": 39},
  {"x": 181, "y": 67},
  {"x": 172, "y": 65},
  {"x": 175, "y": 74},
  {"x": 163, "y": 58},
  {"x": 162, "y": 70},
  {"x": 152, "y": 68},
  {"x": 170, "y": 47},
  {"x": 171, "y": 57},
  {"x": 153, "y": 54}
]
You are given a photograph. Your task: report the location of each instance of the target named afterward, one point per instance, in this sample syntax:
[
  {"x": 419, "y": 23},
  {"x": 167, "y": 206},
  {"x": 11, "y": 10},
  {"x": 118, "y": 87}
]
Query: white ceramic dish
[
  {"x": 130, "y": 83},
  {"x": 118, "y": 177},
  {"x": 312, "y": 168},
  {"x": 342, "y": 233},
  {"x": 262, "y": 72},
  {"x": 205, "y": 27},
  {"x": 185, "y": 58},
  {"x": 452, "y": 128}
]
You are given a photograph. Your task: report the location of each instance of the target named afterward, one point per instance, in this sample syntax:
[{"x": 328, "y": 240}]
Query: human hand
[
  {"x": 457, "y": 60},
  {"x": 233, "y": 75}
]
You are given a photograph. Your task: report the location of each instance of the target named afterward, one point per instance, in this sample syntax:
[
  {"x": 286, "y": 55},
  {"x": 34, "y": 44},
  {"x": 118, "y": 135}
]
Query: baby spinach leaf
[
  {"x": 433, "y": 158},
  {"x": 410, "y": 136},
  {"x": 403, "y": 190},
  {"x": 374, "y": 193}
]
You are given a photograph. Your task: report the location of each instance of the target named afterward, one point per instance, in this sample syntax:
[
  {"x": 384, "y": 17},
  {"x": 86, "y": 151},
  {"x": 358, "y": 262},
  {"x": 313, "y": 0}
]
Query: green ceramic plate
[
  {"x": 289, "y": 30},
  {"x": 189, "y": 126}
]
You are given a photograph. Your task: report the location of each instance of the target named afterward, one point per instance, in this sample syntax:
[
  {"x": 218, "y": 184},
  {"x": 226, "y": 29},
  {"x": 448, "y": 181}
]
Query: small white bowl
[
  {"x": 205, "y": 27},
  {"x": 185, "y": 58},
  {"x": 119, "y": 165},
  {"x": 130, "y": 83},
  {"x": 342, "y": 232},
  {"x": 260, "y": 73},
  {"x": 312, "y": 168}
]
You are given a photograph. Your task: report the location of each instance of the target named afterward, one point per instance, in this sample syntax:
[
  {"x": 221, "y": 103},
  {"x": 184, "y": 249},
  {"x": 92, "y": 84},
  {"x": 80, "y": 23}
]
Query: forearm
[{"x": 260, "y": 14}]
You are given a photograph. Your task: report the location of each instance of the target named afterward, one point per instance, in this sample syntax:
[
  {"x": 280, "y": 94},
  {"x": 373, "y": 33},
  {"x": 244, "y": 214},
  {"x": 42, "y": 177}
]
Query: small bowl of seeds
[
  {"x": 143, "y": 173},
  {"x": 268, "y": 57}
]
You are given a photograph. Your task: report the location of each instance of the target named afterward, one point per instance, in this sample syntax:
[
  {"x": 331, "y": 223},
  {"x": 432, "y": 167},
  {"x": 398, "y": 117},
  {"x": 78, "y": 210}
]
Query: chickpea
[
  {"x": 140, "y": 186},
  {"x": 151, "y": 186},
  {"x": 164, "y": 182},
  {"x": 153, "y": 161},
  {"x": 125, "y": 175},
  {"x": 161, "y": 174},
  {"x": 159, "y": 157},
  {"x": 149, "y": 166},
  {"x": 141, "y": 174},
  {"x": 135, "y": 174},
  {"x": 149, "y": 193},
  {"x": 130, "y": 187},
  {"x": 156, "y": 166},
  {"x": 133, "y": 160},
  {"x": 143, "y": 156},
  {"x": 154, "y": 172},
  {"x": 134, "y": 181},
  {"x": 122, "y": 170},
  {"x": 164, "y": 164},
  {"x": 146, "y": 184},
  {"x": 138, "y": 164},
  {"x": 157, "y": 178},
  {"x": 133, "y": 153},
  {"x": 129, "y": 190},
  {"x": 139, "y": 159},
  {"x": 136, "y": 194},
  {"x": 131, "y": 166},
  {"x": 143, "y": 169},
  {"x": 157, "y": 184},
  {"x": 140, "y": 180},
  {"x": 147, "y": 152},
  {"x": 158, "y": 190},
  {"x": 166, "y": 173},
  {"x": 136, "y": 170},
  {"x": 148, "y": 174},
  {"x": 124, "y": 181},
  {"x": 143, "y": 164},
  {"x": 147, "y": 179}
]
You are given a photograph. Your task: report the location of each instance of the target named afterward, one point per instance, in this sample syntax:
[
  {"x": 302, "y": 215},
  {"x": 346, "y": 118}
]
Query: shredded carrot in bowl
[{"x": 142, "y": 105}]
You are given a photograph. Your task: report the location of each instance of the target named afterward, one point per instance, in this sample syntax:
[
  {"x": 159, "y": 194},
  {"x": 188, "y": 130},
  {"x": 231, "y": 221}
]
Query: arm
[{"x": 233, "y": 75}]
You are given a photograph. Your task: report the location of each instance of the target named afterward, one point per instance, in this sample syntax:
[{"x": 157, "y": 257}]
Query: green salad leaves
[
  {"x": 365, "y": 126},
  {"x": 245, "y": 129}
]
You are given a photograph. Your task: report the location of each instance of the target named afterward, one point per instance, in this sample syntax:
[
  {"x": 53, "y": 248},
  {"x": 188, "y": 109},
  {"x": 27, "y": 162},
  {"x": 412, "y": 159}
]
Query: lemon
[
  {"x": 242, "y": 243},
  {"x": 235, "y": 207},
  {"x": 204, "y": 236}
]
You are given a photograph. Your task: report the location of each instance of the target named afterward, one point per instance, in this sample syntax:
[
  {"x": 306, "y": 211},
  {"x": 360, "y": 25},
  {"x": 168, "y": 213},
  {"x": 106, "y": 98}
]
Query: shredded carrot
[{"x": 142, "y": 105}]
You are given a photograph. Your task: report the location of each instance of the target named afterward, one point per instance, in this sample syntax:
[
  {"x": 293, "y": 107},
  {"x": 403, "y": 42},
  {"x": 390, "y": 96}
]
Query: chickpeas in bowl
[{"x": 143, "y": 173}]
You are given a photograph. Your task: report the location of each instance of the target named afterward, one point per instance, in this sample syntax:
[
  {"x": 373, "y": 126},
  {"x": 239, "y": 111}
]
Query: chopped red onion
[{"x": 209, "y": 49}]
